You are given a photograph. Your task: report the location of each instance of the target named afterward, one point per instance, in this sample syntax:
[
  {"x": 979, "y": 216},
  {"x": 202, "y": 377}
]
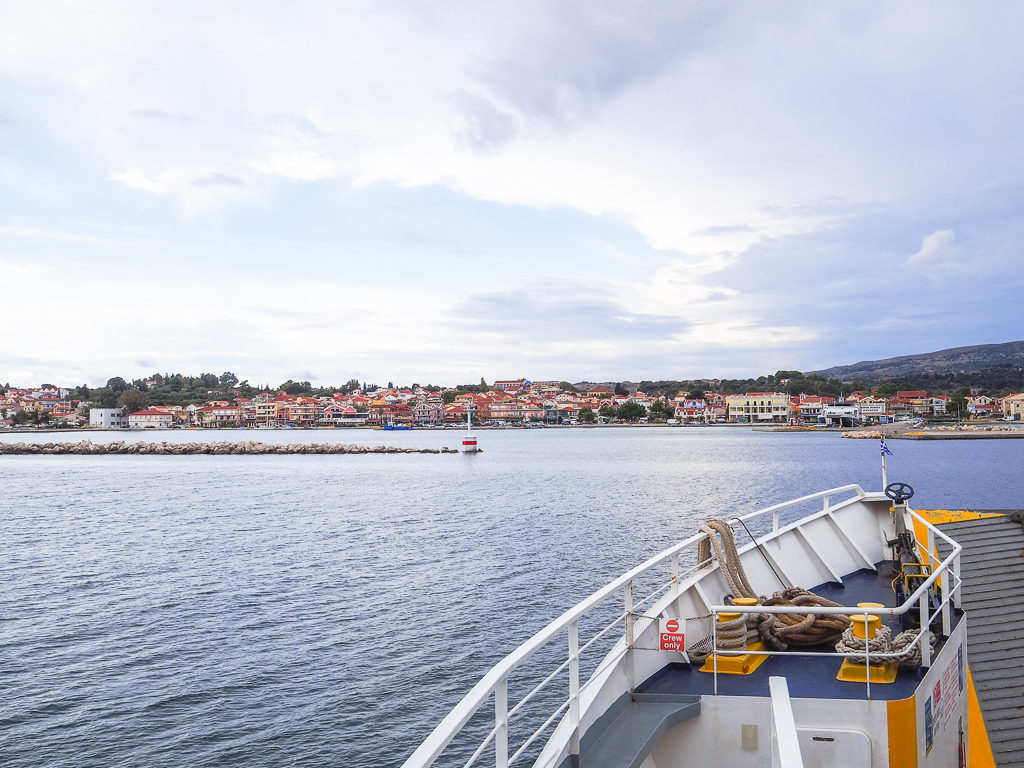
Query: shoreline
[
  {"x": 360, "y": 427},
  {"x": 897, "y": 431}
]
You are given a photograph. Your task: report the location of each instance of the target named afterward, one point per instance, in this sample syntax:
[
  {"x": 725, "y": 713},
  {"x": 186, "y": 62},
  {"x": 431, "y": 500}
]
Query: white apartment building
[
  {"x": 108, "y": 418},
  {"x": 150, "y": 420}
]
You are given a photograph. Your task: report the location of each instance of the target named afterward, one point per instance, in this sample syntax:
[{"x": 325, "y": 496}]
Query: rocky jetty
[
  {"x": 249, "y": 448},
  {"x": 873, "y": 435}
]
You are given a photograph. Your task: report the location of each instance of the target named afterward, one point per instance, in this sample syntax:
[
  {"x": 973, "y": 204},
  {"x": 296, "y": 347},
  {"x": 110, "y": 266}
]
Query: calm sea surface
[{"x": 329, "y": 610}]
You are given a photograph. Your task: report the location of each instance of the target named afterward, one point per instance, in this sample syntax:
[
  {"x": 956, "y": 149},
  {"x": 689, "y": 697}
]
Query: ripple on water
[{"x": 315, "y": 610}]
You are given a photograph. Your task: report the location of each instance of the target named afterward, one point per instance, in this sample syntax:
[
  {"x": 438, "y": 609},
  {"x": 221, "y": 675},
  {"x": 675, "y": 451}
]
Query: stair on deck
[{"x": 627, "y": 741}]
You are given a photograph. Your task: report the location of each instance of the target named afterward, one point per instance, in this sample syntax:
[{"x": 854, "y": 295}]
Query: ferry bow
[{"x": 832, "y": 634}]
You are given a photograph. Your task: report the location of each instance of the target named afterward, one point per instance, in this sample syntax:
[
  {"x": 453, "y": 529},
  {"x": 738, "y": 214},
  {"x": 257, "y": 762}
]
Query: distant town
[{"x": 223, "y": 402}]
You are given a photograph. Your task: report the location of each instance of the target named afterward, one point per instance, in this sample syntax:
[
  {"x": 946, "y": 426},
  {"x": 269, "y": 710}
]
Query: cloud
[
  {"x": 217, "y": 179},
  {"x": 739, "y": 146},
  {"x": 485, "y": 127},
  {"x": 937, "y": 249},
  {"x": 708, "y": 128},
  {"x": 158, "y": 114},
  {"x": 531, "y": 315}
]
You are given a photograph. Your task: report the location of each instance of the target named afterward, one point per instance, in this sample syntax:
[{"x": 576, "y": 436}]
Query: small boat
[
  {"x": 830, "y": 630},
  {"x": 391, "y": 426}
]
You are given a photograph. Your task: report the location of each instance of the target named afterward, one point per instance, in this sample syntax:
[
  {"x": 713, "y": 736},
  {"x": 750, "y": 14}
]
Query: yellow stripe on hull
[
  {"x": 979, "y": 747},
  {"x": 902, "y": 716}
]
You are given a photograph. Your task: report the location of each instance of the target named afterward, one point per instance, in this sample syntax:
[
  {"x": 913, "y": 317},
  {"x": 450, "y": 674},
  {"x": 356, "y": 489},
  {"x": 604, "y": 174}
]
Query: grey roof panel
[{"x": 992, "y": 566}]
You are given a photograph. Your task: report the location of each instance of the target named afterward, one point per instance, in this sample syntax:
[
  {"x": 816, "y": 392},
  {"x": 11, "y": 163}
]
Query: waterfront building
[
  {"x": 108, "y": 418},
  {"x": 302, "y": 413},
  {"x": 219, "y": 416},
  {"x": 150, "y": 419},
  {"x": 809, "y": 406},
  {"x": 873, "y": 409},
  {"x": 338, "y": 413},
  {"x": 759, "y": 407},
  {"x": 900, "y": 406},
  {"x": 454, "y": 413},
  {"x": 693, "y": 411},
  {"x": 265, "y": 411},
  {"x": 428, "y": 413},
  {"x": 1013, "y": 406},
  {"x": 980, "y": 410}
]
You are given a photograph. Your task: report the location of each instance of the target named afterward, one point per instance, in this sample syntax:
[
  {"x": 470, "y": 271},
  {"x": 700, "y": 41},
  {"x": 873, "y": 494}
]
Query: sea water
[{"x": 307, "y": 610}]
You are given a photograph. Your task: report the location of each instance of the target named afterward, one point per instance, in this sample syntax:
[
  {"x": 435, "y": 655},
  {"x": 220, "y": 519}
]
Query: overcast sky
[{"x": 436, "y": 192}]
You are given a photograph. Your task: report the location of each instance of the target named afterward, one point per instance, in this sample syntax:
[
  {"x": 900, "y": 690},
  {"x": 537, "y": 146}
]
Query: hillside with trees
[{"x": 958, "y": 360}]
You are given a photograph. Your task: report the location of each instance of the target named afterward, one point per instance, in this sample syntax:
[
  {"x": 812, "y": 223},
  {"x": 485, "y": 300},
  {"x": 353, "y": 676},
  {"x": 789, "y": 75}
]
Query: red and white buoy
[{"x": 469, "y": 441}]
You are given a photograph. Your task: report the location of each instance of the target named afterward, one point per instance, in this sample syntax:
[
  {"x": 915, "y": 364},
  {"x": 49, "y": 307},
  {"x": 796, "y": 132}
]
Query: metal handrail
[
  {"x": 899, "y": 610},
  {"x": 496, "y": 678}
]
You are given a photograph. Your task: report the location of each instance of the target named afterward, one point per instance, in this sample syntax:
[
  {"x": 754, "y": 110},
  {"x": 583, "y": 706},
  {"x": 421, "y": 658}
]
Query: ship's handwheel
[{"x": 899, "y": 492}]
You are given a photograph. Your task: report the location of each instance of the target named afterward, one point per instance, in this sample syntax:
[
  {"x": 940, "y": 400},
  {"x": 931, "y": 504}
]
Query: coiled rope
[
  {"x": 913, "y": 659},
  {"x": 780, "y": 630},
  {"x": 854, "y": 647}
]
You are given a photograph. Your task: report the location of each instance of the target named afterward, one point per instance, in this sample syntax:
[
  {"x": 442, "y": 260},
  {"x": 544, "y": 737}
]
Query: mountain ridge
[{"x": 952, "y": 360}]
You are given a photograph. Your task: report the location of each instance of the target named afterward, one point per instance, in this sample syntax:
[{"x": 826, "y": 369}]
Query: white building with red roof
[{"x": 150, "y": 419}]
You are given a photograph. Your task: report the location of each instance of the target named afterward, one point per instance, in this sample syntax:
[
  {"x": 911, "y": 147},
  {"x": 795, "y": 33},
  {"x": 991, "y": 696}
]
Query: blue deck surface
[{"x": 810, "y": 677}]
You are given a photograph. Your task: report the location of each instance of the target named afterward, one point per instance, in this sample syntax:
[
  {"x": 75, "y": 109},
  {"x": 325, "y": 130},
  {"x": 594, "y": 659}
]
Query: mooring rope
[
  {"x": 883, "y": 642},
  {"x": 913, "y": 659},
  {"x": 727, "y": 555},
  {"x": 784, "y": 630},
  {"x": 781, "y": 630},
  {"x": 855, "y": 647}
]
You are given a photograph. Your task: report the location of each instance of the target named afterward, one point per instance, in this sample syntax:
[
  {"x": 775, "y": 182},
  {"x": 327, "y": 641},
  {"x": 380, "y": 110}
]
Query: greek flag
[{"x": 885, "y": 449}]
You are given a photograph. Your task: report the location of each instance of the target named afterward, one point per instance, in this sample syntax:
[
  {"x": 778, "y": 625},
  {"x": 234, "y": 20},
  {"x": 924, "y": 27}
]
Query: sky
[{"x": 438, "y": 192}]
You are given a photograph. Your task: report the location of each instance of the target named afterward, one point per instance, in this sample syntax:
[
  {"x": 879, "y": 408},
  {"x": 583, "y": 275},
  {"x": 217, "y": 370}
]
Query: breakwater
[
  {"x": 944, "y": 433},
  {"x": 243, "y": 448}
]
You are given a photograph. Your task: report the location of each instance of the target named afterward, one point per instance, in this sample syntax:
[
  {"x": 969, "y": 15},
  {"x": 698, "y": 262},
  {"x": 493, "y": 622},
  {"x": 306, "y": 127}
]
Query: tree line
[{"x": 179, "y": 389}]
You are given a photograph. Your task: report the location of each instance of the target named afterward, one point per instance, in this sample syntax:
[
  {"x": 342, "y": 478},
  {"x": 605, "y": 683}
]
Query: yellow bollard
[
  {"x": 865, "y": 627},
  {"x": 740, "y": 664}
]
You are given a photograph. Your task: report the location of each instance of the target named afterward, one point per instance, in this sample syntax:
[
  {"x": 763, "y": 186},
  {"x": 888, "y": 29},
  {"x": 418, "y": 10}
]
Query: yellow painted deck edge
[
  {"x": 902, "y": 721},
  {"x": 979, "y": 747},
  {"x": 940, "y": 516}
]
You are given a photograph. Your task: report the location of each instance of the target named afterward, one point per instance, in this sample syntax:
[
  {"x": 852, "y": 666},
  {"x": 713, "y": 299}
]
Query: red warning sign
[{"x": 671, "y": 636}]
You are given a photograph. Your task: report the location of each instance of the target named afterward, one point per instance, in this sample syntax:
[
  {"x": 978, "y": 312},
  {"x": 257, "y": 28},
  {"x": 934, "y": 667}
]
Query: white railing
[
  {"x": 494, "y": 684},
  {"x": 919, "y": 599},
  {"x": 784, "y": 733}
]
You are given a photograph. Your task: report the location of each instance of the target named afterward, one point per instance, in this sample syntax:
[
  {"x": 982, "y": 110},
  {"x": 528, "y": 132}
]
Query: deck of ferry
[
  {"x": 626, "y": 733},
  {"x": 808, "y": 676}
]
